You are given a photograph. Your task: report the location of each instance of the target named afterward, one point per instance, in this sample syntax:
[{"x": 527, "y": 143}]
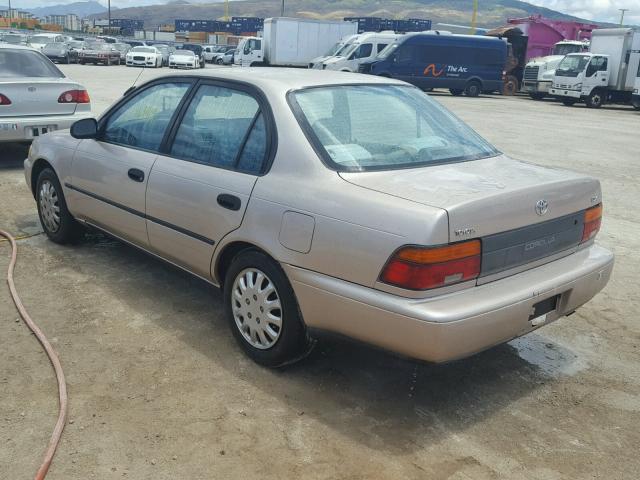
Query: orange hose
[{"x": 62, "y": 386}]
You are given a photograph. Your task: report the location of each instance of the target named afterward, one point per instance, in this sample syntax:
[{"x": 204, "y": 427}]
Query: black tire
[
  {"x": 456, "y": 91},
  {"x": 219, "y": 61},
  {"x": 636, "y": 106},
  {"x": 473, "y": 89},
  {"x": 570, "y": 102},
  {"x": 536, "y": 96},
  {"x": 69, "y": 230},
  {"x": 292, "y": 342},
  {"x": 595, "y": 99},
  {"x": 68, "y": 60},
  {"x": 81, "y": 62}
]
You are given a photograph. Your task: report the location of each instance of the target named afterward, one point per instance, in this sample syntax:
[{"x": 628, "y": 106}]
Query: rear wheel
[
  {"x": 536, "y": 96},
  {"x": 55, "y": 218},
  {"x": 262, "y": 310},
  {"x": 595, "y": 99},
  {"x": 456, "y": 91},
  {"x": 473, "y": 89}
]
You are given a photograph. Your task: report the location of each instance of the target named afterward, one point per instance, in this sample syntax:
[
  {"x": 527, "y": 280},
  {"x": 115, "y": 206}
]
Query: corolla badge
[{"x": 542, "y": 207}]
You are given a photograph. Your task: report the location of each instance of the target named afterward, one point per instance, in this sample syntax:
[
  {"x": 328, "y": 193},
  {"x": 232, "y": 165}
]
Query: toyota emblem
[{"x": 542, "y": 207}]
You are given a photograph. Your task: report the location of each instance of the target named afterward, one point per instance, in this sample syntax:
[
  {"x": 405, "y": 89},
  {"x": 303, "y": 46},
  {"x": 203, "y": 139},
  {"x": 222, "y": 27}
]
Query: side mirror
[{"x": 85, "y": 128}]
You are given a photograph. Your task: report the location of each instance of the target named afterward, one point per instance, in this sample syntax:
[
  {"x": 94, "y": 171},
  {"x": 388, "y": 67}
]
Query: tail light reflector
[
  {"x": 423, "y": 268},
  {"x": 74, "y": 96},
  {"x": 4, "y": 100},
  {"x": 592, "y": 222}
]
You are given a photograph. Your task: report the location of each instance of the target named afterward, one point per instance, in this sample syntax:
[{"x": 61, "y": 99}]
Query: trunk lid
[
  {"x": 495, "y": 199},
  {"x": 36, "y": 97}
]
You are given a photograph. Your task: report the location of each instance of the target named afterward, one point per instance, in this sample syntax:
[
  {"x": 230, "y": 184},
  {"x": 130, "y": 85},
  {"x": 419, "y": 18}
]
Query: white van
[
  {"x": 335, "y": 50},
  {"x": 39, "y": 40},
  {"x": 364, "y": 49}
]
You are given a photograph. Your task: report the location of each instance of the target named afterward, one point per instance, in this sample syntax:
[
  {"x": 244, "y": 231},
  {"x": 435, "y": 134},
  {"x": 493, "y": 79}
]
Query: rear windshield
[
  {"x": 384, "y": 127},
  {"x": 188, "y": 53},
  {"x": 26, "y": 63}
]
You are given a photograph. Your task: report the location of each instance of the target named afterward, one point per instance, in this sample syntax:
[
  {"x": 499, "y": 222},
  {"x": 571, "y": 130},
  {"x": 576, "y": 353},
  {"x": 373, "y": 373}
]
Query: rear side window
[
  {"x": 380, "y": 47},
  {"x": 26, "y": 64},
  {"x": 223, "y": 128},
  {"x": 141, "y": 122}
]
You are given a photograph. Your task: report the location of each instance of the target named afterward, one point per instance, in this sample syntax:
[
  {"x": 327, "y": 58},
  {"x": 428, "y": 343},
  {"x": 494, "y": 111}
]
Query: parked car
[
  {"x": 165, "y": 50},
  {"x": 40, "y": 40},
  {"x": 219, "y": 56},
  {"x": 208, "y": 52},
  {"x": 123, "y": 48},
  {"x": 228, "y": 57},
  {"x": 96, "y": 53},
  {"x": 15, "y": 38},
  {"x": 184, "y": 59},
  {"x": 35, "y": 96},
  {"x": 468, "y": 64},
  {"x": 197, "y": 49},
  {"x": 144, "y": 57},
  {"x": 60, "y": 52},
  {"x": 413, "y": 233}
]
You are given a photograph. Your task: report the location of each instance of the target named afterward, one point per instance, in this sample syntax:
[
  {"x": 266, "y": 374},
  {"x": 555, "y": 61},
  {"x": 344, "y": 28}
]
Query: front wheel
[
  {"x": 55, "y": 218},
  {"x": 595, "y": 99},
  {"x": 570, "y": 102},
  {"x": 262, "y": 310}
]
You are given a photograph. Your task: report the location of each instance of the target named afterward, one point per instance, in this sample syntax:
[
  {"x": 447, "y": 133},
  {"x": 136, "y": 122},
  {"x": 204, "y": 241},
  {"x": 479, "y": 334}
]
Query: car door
[
  {"x": 109, "y": 175},
  {"x": 198, "y": 191}
]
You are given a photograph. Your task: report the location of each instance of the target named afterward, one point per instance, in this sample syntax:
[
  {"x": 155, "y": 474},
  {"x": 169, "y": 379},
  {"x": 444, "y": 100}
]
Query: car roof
[
  {"x": 16, "y": 47},
  {"x": 285, "y": 79}
]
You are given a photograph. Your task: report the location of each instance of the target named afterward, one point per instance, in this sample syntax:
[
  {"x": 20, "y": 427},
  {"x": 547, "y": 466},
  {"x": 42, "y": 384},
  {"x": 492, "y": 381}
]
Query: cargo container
[{"x": 291, "y": 42}]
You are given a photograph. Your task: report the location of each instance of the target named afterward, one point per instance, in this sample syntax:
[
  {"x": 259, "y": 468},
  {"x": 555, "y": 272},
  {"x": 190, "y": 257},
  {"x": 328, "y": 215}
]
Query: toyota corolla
[{"x": 329, "y": 201}]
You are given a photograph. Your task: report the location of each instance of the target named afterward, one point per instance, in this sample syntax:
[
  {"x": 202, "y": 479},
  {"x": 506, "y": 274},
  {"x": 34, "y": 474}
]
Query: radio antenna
[{"x": 133, "y": 85}]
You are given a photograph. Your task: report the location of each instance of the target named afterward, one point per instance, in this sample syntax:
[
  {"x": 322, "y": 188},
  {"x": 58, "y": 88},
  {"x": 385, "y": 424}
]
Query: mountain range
[{"x": 492, "y": 12}]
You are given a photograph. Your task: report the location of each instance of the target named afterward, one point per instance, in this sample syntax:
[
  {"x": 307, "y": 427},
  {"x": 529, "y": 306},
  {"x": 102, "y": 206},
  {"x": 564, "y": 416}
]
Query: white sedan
[
  {"x": 184, "y": 59},
  {"x": 144, "y": 57},
  {"x": 35, "y": 96}
]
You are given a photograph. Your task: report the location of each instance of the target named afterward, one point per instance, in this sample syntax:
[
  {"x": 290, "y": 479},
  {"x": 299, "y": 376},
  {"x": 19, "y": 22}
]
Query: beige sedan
[{"x": 329, "y": 201}]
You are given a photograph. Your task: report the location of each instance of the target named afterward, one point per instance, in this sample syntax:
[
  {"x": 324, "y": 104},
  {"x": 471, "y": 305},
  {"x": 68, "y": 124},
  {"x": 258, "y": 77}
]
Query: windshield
[
  {"x": 143, "y": 49},
  {"x": 566, "y": 49},
  {"x": 15, "y": 39},
  {"x": 344, "y": 122},
  {"x": 55, "y": 46},
  {"x": 188, "y": 53},
  {"x": 388, "y": 50},
  {"x": 41, "y": 39},
  {"x": 26, "y": 63},
  {"x": 572, "y": 65}
]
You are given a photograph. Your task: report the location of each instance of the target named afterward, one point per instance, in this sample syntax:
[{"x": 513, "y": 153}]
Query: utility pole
[
  {"x": 282, "y": 9},
  {"x": 622, "y": 10},
  {"x": 474, "y": 18},
  {"x": 10, "y": 16},
  {"x": 109, "y": 16}
]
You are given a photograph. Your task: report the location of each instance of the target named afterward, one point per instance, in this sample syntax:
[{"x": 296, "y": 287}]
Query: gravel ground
[{"x": 158, "y": 389}]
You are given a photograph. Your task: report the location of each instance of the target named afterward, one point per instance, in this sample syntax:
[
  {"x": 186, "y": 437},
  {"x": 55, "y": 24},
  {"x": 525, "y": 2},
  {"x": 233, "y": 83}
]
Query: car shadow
[
  {"x": 373, "y": 397},
  {"x": 12, "y": 155}
]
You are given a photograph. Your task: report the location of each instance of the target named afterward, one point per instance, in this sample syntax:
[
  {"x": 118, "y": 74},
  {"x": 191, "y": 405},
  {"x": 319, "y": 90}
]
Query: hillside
[
  {"x": 82, "y": 9},
  {"x": 492, "y": 12}
]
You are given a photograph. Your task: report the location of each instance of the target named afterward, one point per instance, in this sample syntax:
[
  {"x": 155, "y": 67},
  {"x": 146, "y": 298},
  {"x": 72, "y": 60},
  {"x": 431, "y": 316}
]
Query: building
[
  {"x": 15, "y": 13},
  {"x": 70, "y": 21}
]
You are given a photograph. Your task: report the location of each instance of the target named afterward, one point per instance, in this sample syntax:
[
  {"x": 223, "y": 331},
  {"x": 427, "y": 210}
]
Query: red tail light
[
  {"x": 74, "y": 96},
  {"x": 4, "y": 100},
  {"x": 422, "y": 268},
  {"x": 592, "y": 222}
]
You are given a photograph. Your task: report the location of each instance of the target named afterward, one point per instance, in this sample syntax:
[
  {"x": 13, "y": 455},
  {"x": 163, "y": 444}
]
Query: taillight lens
[
  {"x": 4, "y": 100},
  {"x": 423, "y": 268},
  {"x": 592, "y": 222},
  {"x": 74, "y": 96}
]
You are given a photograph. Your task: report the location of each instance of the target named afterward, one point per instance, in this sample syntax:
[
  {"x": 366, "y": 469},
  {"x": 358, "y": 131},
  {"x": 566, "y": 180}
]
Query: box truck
[
  {"x": 606, "y": 74},
  {"x": 291, "y": 42}
]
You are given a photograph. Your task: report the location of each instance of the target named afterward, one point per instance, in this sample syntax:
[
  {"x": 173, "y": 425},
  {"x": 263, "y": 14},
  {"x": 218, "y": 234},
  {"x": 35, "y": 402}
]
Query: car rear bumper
[
  {"x": 454, "y": 325},
  {"x": 23, "y": 129}
]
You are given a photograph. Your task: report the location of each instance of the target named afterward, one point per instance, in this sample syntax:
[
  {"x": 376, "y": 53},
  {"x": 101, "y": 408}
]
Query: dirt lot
[{"x": 159, "y": 390}]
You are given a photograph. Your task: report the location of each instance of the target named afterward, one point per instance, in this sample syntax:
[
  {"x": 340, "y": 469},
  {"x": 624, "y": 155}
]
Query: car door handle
[
  {"x": 136, "y": 175},
  {"x": 230, "y": 202}
]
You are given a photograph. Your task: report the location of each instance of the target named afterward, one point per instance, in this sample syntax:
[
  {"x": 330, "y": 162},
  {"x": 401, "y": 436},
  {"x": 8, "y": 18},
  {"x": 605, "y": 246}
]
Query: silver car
[
  {"x": 329, "y": 201},
  {"x": 35, "y": 96}
]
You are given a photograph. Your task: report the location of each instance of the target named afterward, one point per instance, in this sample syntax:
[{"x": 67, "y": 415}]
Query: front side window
[
  {"x": 222, "y": 127},
  {"x": 348, "y": 125},
  {"x": 142, "y": 121},
  {"x": 363, "y": 51}
]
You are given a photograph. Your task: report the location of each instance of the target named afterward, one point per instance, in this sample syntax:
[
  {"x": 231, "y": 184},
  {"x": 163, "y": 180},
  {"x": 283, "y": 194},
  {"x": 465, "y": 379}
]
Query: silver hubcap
[
  {"x": 256, "y": 308},
  {"x": 49, "y": 206}
]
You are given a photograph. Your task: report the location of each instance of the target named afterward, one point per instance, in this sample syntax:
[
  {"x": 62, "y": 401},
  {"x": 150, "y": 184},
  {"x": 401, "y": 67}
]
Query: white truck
[
  {"x": 635, "y": 97},
  {"x": 335, "y": 49},
  {"x": 539, "y": 72},
  {"x": 365, "y": 48},
  {"x": 606, "y": 74},
  {"x": 291, "y": 42}
]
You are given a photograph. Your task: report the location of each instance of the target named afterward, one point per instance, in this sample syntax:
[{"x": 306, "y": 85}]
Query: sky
[{"x": 600, "y": 10}]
